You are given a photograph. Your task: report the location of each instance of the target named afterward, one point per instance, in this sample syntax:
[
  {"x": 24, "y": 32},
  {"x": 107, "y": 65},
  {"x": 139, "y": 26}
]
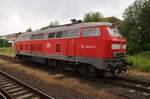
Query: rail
[{"x": 12, "y": 88}]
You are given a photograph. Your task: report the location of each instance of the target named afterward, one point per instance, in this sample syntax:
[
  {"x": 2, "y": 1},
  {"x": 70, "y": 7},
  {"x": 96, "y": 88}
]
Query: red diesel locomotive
[{"x": 96, "y": 46}]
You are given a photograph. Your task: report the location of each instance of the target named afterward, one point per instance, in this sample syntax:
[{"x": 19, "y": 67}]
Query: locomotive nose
[
  {"x": 117, "y": 42},
  {"x": 118, "y": 47}
]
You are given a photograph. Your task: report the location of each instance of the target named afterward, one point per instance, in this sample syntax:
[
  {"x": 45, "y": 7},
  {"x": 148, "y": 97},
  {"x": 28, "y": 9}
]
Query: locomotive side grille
[
  {"x": 119, "y": 54},
  {"x": 58, "y": 48}
]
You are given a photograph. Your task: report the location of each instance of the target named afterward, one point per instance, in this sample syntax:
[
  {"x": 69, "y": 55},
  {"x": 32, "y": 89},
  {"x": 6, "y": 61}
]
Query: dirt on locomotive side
[{"x": 56, "y": 84}]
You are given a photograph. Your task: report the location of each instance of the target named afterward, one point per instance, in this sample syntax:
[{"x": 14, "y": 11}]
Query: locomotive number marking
[{"x": 87, "y": 46}]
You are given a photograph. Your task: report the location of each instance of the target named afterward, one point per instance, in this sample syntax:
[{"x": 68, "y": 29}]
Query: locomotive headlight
[
  {"x": 124, "y": 46},
  {"x": 115, "y": 46}
]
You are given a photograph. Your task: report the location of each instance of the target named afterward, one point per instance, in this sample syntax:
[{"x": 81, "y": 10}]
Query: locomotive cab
[
  {"x": 117, "y": 43},
  {"x": 117, "y": 51}
]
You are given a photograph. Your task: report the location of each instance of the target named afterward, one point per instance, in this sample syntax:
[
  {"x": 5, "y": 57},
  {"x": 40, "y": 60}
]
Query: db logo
[
  {"x": 82, "y": 46},
  {"x": 48, "y": 45}
]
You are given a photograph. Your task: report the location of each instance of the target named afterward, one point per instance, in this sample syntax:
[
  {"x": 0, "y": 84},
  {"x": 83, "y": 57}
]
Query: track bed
[{"x": 13, "y": 88}]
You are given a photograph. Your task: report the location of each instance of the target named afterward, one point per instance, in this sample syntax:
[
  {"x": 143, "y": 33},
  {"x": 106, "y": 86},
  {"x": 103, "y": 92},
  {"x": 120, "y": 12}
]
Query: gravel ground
[{"x": 59, "y": 88}]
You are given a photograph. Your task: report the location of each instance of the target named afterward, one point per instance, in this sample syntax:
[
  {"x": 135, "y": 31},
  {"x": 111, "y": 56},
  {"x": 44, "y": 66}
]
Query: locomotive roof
[{"x": 69, "y": 27}]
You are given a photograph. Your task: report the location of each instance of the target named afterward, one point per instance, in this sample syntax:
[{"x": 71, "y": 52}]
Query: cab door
[
  {"x": 71, "y": 49},
  {"x": 72, "y": 42}
]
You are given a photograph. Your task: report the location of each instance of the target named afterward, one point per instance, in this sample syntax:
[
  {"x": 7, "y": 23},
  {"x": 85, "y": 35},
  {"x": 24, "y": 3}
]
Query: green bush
[{"x": 141, "y": 61}]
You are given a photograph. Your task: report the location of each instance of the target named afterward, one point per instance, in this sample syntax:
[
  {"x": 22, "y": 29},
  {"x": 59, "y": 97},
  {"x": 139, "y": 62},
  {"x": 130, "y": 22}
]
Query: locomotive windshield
[{"x": 114, "y": 32}]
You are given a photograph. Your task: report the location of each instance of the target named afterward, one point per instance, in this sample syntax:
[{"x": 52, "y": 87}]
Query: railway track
[
  {"x": 12, "y": 88},
  {"x": 135, "y": 85},
  {"x": 9, "y": 58},
  {"x": 139, "y": 88}
]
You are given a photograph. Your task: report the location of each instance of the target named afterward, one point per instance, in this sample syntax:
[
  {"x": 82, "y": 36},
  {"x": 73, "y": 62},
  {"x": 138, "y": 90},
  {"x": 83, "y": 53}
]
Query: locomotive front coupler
[{"x": 118, "y": 67}]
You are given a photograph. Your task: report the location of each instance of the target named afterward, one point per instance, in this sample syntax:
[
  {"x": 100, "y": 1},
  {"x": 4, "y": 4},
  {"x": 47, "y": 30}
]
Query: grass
[
  {"x": 9, "y": 51},
  {"x": 141, "y": 61}
]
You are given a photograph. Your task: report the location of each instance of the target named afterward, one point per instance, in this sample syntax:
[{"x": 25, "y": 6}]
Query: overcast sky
[{"x": 18, "y": 15}]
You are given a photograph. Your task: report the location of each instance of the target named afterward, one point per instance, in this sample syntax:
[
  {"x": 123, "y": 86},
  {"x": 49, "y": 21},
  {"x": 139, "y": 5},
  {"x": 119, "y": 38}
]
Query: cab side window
[
  {"x": 74, "y": 33},
  {"x": 40, "y": 36},
  {"x": 87, "y": 32},
  {"x": 33, "y": 36},
  {"x": 59, "y": 34},
  {"x": 65, "y": 34},
  {"x": 51, "y": 35},
  {"x": 28, "y": 37}
]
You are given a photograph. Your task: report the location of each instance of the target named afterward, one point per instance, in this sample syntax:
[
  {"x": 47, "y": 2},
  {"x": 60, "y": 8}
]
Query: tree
[
  {"x": 3, "y": 43},
  {"x": 18, "y": 34},
  {"x": 51, "y": 24},
  {"x": 29, "y": 30},
  {"x": 114, "y": 20},
  {"x": 92, "y": 17},
  {"x": 136, "y": 26}
]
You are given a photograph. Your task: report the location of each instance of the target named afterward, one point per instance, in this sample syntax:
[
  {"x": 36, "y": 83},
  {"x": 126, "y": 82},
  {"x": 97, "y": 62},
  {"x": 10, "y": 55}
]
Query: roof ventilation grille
[{"x": 74, "y": 21}]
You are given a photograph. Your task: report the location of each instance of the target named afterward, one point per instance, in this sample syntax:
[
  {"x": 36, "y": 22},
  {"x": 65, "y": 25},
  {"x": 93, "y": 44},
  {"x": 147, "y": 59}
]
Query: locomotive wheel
[
  {"x": 107, "y": 74},
  {"x": 54, "y": 63},
  {"x": 19, "y": 57},
  {"x": 47, "y": 62},
  {"x": 16, "y": 56},
  {"x": 59, "y": 65},
  {"x": 50, "y": 63},
  {"x": 124, "y": 73},
  {"x": 92, "y": 70},
  {"x": 83, "y": 70}
]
